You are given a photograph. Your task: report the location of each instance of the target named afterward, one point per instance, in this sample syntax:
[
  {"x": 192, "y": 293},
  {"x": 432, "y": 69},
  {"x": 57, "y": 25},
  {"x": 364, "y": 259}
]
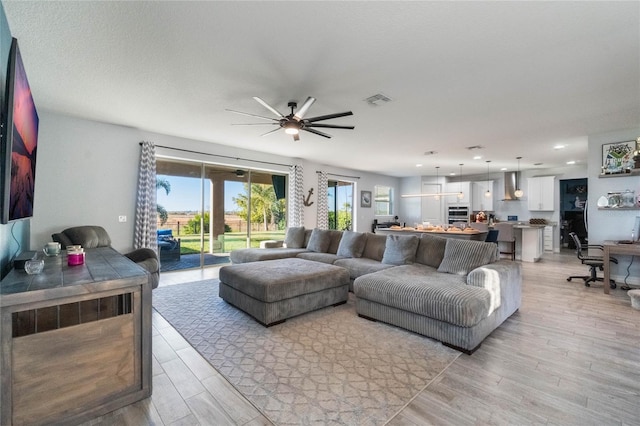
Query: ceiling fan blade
[
  {"x": 251, "y": 115},
  {"x": 296, "y": 137},
  {"x": 329, "y": 116},
  {"x": 317, "y": 132},
  {"x": 254, "y": 124},
  {"x": 304, "y": 108},
  {"x": 269, "y": 107},
  {"x": 330, "y": 126},
  {"x": 270, "y": 131}
]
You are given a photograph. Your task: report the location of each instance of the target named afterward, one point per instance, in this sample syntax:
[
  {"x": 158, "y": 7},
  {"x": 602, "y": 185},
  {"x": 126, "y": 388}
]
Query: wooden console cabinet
[{"x": 76, "y": 340}]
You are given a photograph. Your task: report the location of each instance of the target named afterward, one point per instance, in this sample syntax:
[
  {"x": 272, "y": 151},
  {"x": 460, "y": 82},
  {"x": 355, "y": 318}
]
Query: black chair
[
  {"x": 492, "y": 236},
  {"x": 594, "y": 262}
]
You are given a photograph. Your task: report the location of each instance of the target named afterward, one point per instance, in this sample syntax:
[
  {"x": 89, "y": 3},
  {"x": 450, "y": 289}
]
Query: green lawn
[{"x": 190, "y": 244}]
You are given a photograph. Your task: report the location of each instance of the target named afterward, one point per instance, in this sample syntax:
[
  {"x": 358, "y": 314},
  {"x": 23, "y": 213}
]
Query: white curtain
[
  {"x": 296, "y": 196},
  {"x": 323, "y": 208},
  {"x": 145, "y": 231}
]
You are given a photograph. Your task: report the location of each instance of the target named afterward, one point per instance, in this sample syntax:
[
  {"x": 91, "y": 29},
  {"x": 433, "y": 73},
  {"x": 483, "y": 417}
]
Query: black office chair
[
  {"x": 492, "y": 236},
  {"x": 594, "y": 262}
]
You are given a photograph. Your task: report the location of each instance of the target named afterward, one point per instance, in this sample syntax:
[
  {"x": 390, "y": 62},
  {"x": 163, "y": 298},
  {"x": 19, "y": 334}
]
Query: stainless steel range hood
[{"x": 510, "y": 186}]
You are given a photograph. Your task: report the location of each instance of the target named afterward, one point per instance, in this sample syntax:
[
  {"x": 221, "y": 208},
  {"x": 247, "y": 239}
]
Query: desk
[{"x": 610, "y": 248}]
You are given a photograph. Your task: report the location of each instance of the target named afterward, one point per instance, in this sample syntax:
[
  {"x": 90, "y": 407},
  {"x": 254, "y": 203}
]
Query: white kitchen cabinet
[
  {"x": 541, "y": 193},
  {"x": 479, "y": 200},
  {"x": 548, "y": 238},
  {"x": 456, "y": 187}
]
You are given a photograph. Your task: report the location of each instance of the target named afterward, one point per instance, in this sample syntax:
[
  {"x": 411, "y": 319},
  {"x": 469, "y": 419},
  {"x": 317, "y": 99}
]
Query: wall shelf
[
  {"x": 618, "y": 208},
  {"x": 634, "y": 172}
]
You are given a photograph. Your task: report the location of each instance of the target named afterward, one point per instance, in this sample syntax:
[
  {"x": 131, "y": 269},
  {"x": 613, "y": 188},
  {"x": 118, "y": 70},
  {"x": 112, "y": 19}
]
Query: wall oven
[{"x": 457, "y": 214}]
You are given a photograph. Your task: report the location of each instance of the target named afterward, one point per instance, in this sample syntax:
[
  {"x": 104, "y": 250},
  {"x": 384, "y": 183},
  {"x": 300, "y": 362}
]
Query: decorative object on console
[{"x": 618, "y": 157}]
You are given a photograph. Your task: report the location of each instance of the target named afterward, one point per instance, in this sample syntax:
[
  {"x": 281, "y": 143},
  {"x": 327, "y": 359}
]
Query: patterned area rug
[{"x": 324, "y": 367}]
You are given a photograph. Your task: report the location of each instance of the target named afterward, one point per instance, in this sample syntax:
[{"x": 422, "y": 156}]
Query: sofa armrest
[{"x": 503, "y": 279}]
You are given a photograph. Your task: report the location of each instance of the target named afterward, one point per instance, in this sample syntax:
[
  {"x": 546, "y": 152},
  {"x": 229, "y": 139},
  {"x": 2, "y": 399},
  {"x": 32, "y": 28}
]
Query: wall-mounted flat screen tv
[{"x": 19, "y": 142}]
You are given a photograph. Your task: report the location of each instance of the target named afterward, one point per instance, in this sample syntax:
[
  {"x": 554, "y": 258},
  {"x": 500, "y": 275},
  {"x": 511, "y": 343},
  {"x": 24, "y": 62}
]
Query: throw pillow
[
  {"x": 431, "y": 250},
  {"x": 352, "y": 244},
  {"x": 400, "y": 249},
  {"x": 319, "y": 241},
  {"x": 294, "y": 237},
  {"x": 463, "y": 256}
]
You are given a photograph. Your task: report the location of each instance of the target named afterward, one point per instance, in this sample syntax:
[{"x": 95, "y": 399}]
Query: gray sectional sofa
[{"x": 455, "y": 291}]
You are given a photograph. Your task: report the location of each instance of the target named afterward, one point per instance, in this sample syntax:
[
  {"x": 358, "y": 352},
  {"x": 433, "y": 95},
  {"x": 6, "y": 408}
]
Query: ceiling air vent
[
  {"x": 377, "y": 99},
  {"x": 430, "y": 152}
]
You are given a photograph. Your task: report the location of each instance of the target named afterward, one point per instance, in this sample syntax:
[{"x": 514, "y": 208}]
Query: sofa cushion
[
  {"x": 319, "y": 241},
  {"x": 423, "y": 291},
  {"x": 336, "y": 237},
  {"x": 400, "y": 249},
  {"x": 360, "y": 266},
  {"x": 431, "y": 250},
  {"x": 463, "y": 256},
  {"x": 328, "y": 258},
  {"x": 374, "y": 246},
  {"x": 352, "y": 244},
  {"x": 294, "y": 237},
  {"x": 258, "y": 254}
]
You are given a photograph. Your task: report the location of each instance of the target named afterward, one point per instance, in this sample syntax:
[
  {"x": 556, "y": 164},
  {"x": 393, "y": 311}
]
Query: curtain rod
[
  {"x": 221, "y": 156},
  {"x": 334, "y": 174}
]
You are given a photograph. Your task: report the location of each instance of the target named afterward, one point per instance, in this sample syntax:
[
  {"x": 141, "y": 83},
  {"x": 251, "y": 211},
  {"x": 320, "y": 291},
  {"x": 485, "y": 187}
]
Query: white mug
[{"x": 52, "y": 249}]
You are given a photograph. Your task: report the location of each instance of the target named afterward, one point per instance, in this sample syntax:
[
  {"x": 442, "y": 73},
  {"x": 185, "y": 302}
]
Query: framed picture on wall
[
  {"x": 617, "y": 157},
  {"x": 365, "y": 198}
]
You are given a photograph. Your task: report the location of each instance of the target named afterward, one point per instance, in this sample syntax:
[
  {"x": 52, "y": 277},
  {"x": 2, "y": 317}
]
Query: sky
[{"x": 185, "y": 194}]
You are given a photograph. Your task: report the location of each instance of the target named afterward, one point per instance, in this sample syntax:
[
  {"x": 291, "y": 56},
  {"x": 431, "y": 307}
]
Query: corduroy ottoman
[{"x": 273, "y": 290}]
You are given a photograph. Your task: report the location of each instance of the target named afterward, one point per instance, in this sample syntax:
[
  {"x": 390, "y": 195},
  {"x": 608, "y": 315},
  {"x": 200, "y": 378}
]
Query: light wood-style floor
[{"x": 569, "y": 356}]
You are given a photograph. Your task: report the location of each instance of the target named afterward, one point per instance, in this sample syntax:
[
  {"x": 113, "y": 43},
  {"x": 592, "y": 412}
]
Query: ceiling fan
[{"x": 295, "y": 121}]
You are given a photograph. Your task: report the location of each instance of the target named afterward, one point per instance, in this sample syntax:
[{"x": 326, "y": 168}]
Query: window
[{"x": 383, "y": 199}]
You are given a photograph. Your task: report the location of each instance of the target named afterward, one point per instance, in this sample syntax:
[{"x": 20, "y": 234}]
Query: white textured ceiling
[{"x": 514, "y": 77}]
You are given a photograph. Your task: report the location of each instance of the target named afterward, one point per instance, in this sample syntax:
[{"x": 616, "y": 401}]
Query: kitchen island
[
  {"x": 529, "y": 242},
  {"x": 463, "y": 235}
]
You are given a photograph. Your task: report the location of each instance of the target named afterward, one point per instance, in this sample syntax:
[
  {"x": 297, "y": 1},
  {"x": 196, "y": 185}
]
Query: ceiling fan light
[
  {"x": 518, "y": 193},
  {"x": 291, "y": 130}
]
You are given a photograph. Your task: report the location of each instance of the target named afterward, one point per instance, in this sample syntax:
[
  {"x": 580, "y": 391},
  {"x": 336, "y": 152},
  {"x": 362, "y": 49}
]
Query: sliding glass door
[{"x": 205, "y": 211}]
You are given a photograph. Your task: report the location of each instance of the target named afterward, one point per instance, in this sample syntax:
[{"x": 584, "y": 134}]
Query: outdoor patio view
[{"x": 205, "y": 212}]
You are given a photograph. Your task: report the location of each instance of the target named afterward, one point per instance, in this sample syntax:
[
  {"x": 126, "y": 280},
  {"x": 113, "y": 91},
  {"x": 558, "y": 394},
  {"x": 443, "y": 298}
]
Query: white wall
[
  {"x": 87, "y": 174},
  {"x": 612, "y": 224}
]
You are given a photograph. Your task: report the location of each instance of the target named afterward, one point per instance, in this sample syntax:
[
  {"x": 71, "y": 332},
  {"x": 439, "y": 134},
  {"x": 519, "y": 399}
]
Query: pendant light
[
  {"x": 488, "y": 193},
  {"x": 460, "y": 194},
  {"x": 437, "y": 196},
  {"x": 519, "y": 192}
]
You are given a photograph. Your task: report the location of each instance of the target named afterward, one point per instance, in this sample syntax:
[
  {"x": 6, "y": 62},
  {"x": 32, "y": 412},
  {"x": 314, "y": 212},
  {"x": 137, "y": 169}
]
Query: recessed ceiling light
[
  {"x": 452, "y": 174},
  {"x": 503, "y": 169},
  {"x": 571, "y": 162},
  {"x": 559, "y": 146},
  {"x": 478, "y": 157},
  {"x": 418, "y": 165}
]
